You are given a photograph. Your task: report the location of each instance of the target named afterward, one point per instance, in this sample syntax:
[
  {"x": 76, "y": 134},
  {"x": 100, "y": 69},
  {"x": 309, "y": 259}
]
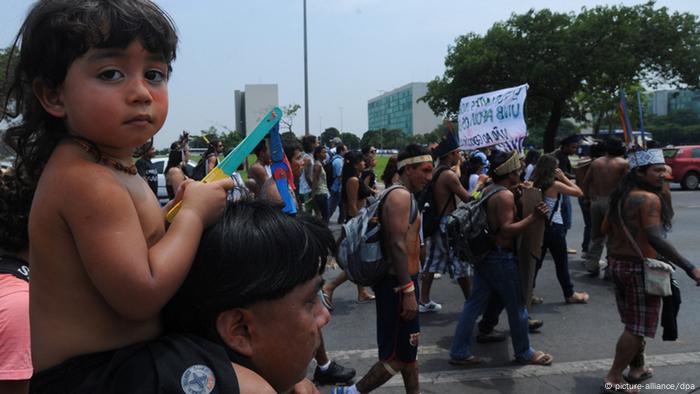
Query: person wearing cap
[
  {"x": 637, "y": 221},
  {"x": 441, "y": 258},
  {"x": 498, "y": 274},
  {"x": 599, "y": 182}
]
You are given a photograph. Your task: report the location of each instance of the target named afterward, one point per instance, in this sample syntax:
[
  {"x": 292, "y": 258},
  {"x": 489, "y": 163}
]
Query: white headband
[
  {"x": 646, "y": 157},
  {"x": 414, "y": 160}
]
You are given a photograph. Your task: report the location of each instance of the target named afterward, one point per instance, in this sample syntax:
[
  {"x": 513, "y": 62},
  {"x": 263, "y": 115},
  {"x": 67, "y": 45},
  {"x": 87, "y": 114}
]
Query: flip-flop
[
  {"x": 366, "y": 300},
  {"x": 648, "y": 374},
  {"x": 465, "y": 362},
  {"x": 538, "y": 358},
  {"x": 326, "y": 300}
]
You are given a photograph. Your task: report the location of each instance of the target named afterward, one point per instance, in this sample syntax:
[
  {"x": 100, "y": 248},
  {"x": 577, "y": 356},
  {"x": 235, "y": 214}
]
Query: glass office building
[
  {"x": 398, "y": 109},
  {"x": 664, "y": 102}
]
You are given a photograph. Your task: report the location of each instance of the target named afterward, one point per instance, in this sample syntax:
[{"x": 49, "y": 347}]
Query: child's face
[{"x": 117, "y": 98}]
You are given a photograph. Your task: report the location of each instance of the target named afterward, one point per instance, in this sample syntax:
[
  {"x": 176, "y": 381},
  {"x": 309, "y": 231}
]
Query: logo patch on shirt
[{"x": 198, "y": 379}]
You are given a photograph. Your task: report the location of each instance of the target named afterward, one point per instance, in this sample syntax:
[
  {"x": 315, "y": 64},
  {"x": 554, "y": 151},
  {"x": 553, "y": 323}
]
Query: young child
[{"x": 91, "y": 86}]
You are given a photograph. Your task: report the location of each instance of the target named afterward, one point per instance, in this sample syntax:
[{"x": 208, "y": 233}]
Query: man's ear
[
  {"x": 50, "y": 98},
  {"x": 233, "y": 330}
]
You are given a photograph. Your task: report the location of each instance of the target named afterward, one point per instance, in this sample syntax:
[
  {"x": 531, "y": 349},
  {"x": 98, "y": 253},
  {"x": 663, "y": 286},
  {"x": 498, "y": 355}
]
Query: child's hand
[{"x": 207, "y": 200}]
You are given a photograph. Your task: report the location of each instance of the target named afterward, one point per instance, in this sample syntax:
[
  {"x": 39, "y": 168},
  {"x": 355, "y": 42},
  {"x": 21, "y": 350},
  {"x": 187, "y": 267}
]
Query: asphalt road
[{"x": 581, "y": 337}]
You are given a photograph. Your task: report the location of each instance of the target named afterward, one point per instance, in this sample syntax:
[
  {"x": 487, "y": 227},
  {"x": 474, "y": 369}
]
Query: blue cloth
[
  {"x": 481, "y": 155},
  {"x": 498, "y": 273},
  {"x": 337, "y": 172}
]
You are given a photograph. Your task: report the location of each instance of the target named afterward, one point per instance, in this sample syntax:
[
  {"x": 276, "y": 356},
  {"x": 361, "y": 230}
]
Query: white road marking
[{"x": 514, "y": 372}]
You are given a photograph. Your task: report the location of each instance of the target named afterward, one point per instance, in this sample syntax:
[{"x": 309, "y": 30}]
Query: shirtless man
[
  {"x": 600, "y": 181},
  {"x": 440, "y": 257},
  {"x": 260, "y": 170},
  {"x": 647, "y": 218},
  {"x": 499, "y": 272},
  {"x": 397, "y": 308}
]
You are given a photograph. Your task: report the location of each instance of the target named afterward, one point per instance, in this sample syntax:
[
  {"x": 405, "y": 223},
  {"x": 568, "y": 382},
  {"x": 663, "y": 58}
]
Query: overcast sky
[{"x": 356, "y": 50}]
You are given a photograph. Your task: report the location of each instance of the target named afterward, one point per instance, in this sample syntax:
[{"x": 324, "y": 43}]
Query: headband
[
  {"x": 646, "y": 157},
  {"x": 509, "y": 165},
  {"x": 414, "y": 160}
]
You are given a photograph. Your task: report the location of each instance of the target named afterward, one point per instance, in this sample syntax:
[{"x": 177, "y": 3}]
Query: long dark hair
[
  {"x": 54, "y": 34},
  {"x": 390, "y": 170},
  {"x": 351, "y": 159},
  {"x": 633, "y": 180},
  {"x": 543, "y": 176}
]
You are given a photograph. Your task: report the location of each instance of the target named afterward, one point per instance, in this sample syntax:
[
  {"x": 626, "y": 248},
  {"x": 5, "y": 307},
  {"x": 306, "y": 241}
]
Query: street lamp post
[
  {"x": 306, "y": 79},
  {"x": 341, "y": 119}
]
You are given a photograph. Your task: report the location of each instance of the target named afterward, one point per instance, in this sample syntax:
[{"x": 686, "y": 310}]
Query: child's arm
[{"x": 136, "y": 277}]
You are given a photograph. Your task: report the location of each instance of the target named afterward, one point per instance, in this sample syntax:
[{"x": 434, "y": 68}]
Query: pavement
[{"x": 581, "y": 337}]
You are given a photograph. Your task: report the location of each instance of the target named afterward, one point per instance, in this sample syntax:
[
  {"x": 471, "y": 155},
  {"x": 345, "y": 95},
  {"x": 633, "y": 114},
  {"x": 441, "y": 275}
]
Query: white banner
[{"x": 494, "y": 119}]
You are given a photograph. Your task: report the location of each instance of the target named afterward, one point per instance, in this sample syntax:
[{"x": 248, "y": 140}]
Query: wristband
[{"x": 407, "y": 288}]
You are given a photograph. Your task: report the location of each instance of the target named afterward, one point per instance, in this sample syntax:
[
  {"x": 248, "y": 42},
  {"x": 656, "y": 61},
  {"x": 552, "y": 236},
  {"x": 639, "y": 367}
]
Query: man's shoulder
[{"x": 641, "y": 198}]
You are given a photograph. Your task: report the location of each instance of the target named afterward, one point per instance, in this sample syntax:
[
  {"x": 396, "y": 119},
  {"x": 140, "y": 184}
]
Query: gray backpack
[
  {"x": 468, "y": 231},
  {"x": 360, "y": 251}
]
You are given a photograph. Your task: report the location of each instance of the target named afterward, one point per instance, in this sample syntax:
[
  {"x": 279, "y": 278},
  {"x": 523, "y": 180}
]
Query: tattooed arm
[{"x": 651, "y": 221}]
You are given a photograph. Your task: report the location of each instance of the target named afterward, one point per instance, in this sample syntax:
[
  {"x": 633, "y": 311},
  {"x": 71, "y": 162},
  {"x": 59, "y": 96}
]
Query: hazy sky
[{"x": 356, "y": 50}]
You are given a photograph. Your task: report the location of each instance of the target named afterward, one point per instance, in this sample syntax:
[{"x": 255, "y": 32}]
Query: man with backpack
[
  {"x": 441, "y": 193},
  {"x": 334, "y": 169},
  {"x": 498, "y": 272},
  {"x": 397, "y": 307}
]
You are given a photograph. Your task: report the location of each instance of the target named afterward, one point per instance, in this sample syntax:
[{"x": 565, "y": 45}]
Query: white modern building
[
  {"x": 253, "y": 103},
  {"x": 399, "y": 109}
]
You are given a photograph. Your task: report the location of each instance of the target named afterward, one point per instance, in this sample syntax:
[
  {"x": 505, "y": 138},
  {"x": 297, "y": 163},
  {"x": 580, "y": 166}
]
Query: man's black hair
[
  {"x": 307, "y": 143},
  {"x": 253, "y": 253},
  {"x": 630, "y": 181},
  {"x": 497, "y": 158},
  {"x": 261, "y": 146},
  {"x": 289, "y": 147},
  {"x": 340, "y": 147},
  {"x": 614, "y": 146},
  {"x": 412, "y": 150}
]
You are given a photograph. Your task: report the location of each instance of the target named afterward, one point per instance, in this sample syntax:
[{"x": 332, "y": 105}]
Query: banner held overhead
[{"x": 494, "y": 119}]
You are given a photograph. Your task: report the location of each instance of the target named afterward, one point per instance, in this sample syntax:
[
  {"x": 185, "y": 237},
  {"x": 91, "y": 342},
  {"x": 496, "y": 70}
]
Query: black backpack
[
  {"x": 328, "y": 168},
  {"x": 428, "y": 207}
]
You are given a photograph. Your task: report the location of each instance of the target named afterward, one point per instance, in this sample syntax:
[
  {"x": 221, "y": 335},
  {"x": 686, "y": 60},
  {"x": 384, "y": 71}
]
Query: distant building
[
  {"x": 664, "y": 102},
  {"x": 253, "y": 104},
  {"x": 398, "y": 109}
]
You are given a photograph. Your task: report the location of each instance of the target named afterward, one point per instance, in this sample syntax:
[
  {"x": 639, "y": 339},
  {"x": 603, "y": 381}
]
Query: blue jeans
[
  {"x": 497, "y": 273},
  {"x": 566, "y": 211}
]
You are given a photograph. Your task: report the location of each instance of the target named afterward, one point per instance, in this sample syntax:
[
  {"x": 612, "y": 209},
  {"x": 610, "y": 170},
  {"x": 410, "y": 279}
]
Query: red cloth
[
  {"x": 15, "y": 349},
  {"x": 639, "y": 311}
]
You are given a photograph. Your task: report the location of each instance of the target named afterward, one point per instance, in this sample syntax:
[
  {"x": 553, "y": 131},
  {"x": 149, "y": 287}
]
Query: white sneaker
[
  {"x": 431, "y": 306},
  {"x": 437, "y": 275}
]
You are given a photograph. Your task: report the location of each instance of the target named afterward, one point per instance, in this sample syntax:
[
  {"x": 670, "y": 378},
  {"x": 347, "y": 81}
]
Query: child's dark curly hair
[
  {"x": 15, "y": 201},
  {"x": 54, "y": 34}
]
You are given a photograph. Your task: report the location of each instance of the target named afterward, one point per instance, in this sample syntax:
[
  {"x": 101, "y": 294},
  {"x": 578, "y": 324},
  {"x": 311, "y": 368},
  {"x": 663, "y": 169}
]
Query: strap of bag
[
  {"x": 555, "y": 209},
  {"x": 634, "y": 244},
  {"x": 452, "y": 194}
]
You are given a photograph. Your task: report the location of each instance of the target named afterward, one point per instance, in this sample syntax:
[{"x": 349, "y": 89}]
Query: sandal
[
  {"x": 578, "y": 298},
  {"x": 327, "y": 300},
  {"x": 647, "y": 374},
  {"x": 366, "y": 299},
  {"x": 538, "y": 358},
  {"x": 536, "y": 300},
  {"x": 465, "y": 362}
]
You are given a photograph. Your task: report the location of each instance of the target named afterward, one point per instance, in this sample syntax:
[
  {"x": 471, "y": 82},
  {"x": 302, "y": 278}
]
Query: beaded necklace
[{"x": 104, "y": 159}]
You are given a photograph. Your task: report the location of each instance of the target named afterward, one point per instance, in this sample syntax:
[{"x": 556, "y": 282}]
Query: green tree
[
  {"x": 328, "y": 134},
  {"x": 289, "y": 112},
  {"x": 351, "y": 140},
  {"x": 561, "y": 55},
  {"x": 372, "y": 138}
]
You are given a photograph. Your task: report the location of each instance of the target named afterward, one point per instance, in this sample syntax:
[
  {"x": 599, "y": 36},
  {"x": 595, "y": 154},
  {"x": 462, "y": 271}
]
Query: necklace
[{"x": 106, "y": 160}]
